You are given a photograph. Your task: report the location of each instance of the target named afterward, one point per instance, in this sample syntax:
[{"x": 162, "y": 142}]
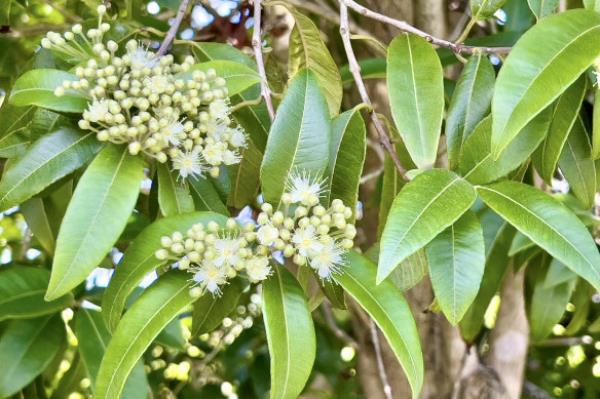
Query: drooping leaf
[
  {"x": 173, "y": 195},
  {"x": 37, "y": 219},
  {"x": 96, "y": 216},
  {"x": 424, "y": 208},
  {"x": 93, "y": 338},
  {"x": 543, "y": 8},
  {"x": 477, "y": 163},
  {"x": 206, "y": 197},
  {"x": 46, "y": 161},
  {"x": 388, "y": 308},
  {"x": 14, "y": 131},
  {"x": 246, "y": 180},
  {"x": 520, "y": 243},
  {"x": 307, "y": 50},
  {"x": 557, "y": 274},
  {"x": 577, "y": 165},
  {"x": 286, "y": 313},
  {"x": 238, "y": 77},
  {"x": 533, "y": 76},
  {"x": 484, "y": 9},
  {"x": 26, "y": 348},
  {"x": 564, "y": 115},
  {"x": 347, "y": 156},
  {"x": 139, "y": 260},
  {"x": 22, "y": 291},
  {"x": 210, "y": 310},
  {"x": 416, "y": 93},
  {"x": 154, "y": 309},
  {"x": 548, "y": 223},
  {"x": 36, "y": 87},
  {"x": 456, "y": 263},
  {"x": 471, "y": 102},
  {"x": 299, "y": 138}
]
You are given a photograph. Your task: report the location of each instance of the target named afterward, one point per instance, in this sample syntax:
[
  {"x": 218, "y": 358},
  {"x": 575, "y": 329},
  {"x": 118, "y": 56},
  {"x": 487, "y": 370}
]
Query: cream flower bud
[
  {"x": 214, "y": 172},
  {"x": 77, "y": 29},
  {"x": 212, "y": 226},
  {"x": 299, "y": 260},
  {"x": 111, "y": 45},
  {"x": 347, "y": 243},
  {"x": 177, "y": 236},
  {"x": 59, "y": 91},
  {"x": 350, "y": 231},
  {"x": 177, "y": 248},
  {"x": 161, "y": 254},
  {"x": 337, "y": 205},
  {"x": 288, "y": 223},
  {"x": 69, "y": 35},
  {"x": 323, "y": 229},
  {"x": 277, "y": 218},
  {"x": 103, "y": 135},
  {"x": 300, "y": 212},
  {"x": 134, "y": 147},
  {"x": 166, "y": 241},
  {"x": 288, "y": 251},
  {"x": 184, "y": 264},
  {"x": 196, "y": 292},
  {"x": 101, "y": 9}
]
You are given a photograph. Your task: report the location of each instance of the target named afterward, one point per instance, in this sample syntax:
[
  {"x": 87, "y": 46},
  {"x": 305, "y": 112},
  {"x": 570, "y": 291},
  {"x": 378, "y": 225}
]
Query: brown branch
[
  {"x": 257, "y": 46},
  {"x": 406, "y": 27},
  {"x": 382, "y": 136},
  {"x": 183, "y": 6}
]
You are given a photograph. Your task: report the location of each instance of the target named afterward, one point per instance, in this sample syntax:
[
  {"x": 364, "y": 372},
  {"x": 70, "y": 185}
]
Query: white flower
[
  {"x": 173, "y": 133},
  {"x": 227, "y": 252},
  {"x": 157, "y": 84},
  {"x": 267, "y": 234},
  {"x": 306, "y": 241},
  {"x": 96, "y": 111},
  {"x": 304, "y": 189},
  {"x": 213, "y": 153},
  {"x": 328, "y": 259},
  {"x": 141, "y": 58},
  {"x": 188, "y": 163},
  {"x": 219, "y": 109},
  {"x": 216, "y": 129},
  {"x": 258, "y": 269},
  {"x": 230, "y": 158},
  {"x": 237, "y": 138},
  {"x": 210, "y": 276}
]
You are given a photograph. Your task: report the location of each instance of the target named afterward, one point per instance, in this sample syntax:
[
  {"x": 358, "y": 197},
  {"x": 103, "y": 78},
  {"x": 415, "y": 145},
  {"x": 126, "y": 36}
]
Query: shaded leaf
[
  {"x": 238, "y": 77},
  {"x": 210, "y": 310},
  {"x": 173, "y": 195},
  {"x": 484, "y": 9},
  {"x": 206, "y": 197},
  {"x": 542, "y": 8}
]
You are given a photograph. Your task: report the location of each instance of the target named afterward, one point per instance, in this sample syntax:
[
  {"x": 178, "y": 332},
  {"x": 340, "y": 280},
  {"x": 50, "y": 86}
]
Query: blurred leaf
[
  {"x": 173, "y": 195},
  {"x": 543, "y": 8},
  {"x": 484, "y": 9},
  {"x": 370, "y": 68},
  {"x": 210, "y": 310},
  {"x": 14, "y": 130}
]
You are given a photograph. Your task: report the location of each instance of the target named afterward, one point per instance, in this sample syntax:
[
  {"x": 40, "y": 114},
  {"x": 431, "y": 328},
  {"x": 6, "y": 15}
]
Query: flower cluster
[
  {"x": 300, "y": 229},
  {"x": 156, "y": 106}
]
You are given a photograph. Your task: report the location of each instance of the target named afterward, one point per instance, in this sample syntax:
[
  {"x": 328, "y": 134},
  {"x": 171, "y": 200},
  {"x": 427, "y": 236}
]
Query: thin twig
[
  {"x": 247, "y": 103},
  {"x": 183, "y": 6},
  {"x": 406, "y": 27},
  {"x": 337, "y": 331},
  {"x": 257, "y": 46},
  {"x": 387, "y": 388},
  {"x": 384, "y": 139}
]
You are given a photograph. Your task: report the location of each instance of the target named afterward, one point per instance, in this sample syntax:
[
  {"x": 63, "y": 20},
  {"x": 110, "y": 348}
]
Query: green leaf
[
  {"x": 14, "y": 131},
  {"x": 471, "y": 102},
  {"x": 347, "y": 156},
  {"x": 596, "y": 124},
  {"x": 520, "y": 243},
  {"x": 543, "y": 8},
  {"x": 370, "y": 68},
  {"x": 147, "y": 317},
  {"x": 424, "y": 208},
  {"x": 307, "y": 50},
  {"x": 93, "y": 338},
  {"x": 456, "y": 263},
  {"x": 38, "y": 221},
  {"x": 557, "y": 274},
  {"x": 577, "y": 165},
  {"x": 290, "y": 334},
  {"x": 564, "y": 115},
  {"x": 416, "y": 92},
  {"x": 97, "y": 214},
  {"x": 36, "y": 87},
  {"x": 388, "y": 308},
  {"x": 238, "y": 76},
  {"x": 533, "y": 76},
  {"x": 548, "y": 223},
  {"x": 173, "y": 196},
  {"x": 139, "y": 260},
  {"x": 26, "y": 348},
  {"x": 172, "y": 336},
  {"x": 593, "y": 5},
  {"x": 477, "y": 163},
  {"x": 22, "y": 291},
  {"x": 206, "y": 197},
  {"x": 299, "y": 138},
  {"x": 484, "y": 9},
  {"x": 210, "y": 310},
  {"x": 246, "y": 180},
  {"x": 46, "y": 161}
]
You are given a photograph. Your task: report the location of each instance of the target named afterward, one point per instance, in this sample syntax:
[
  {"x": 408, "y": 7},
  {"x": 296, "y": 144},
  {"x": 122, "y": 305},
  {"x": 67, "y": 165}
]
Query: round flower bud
[
  {"x": 184, "y": 264},
  {"x": 315, "y": 221},
  {"x": 102, "y": 135},
  {"x": 161, "y": 157},
  {"x": 286, "y": 198},
  {"x": 83, "y": 124},
  {"x": 350, "y": 231},
  {"x": 323, "y": 229},
  {"x": 59, "y": 91},
  {"x": 196, "y": 292},
  {"x": 319, "y": 210},
  {"x": 166, "y": 241},
  {"x": 299, "y": 260},
  {"x": 267, "y": 208},
  {"x": 77, "y": 29},
  {"x": 288, "y": 223},
  {"x": 134, "y": 147},
  {"x": 177, "y": 236},
  {"x": 337, "y": 205},
  {"x": 277, "y": 218},
  {"x": 212, "y": 226},
  {"x": 101, "y": 9},
  {"x": 304, "y": 222},
  {"x": 105, "y": 27},
  {"x": 231, "y": 224},
  {"x": 69, "y": 35},
  {"x": 161, "y": 254},
  {"x": 326, "y": 219},
  {"x": 301, "y": 212},
  {"x": 279, "y": 244},
  {"x": 177, "y": 248},
  {"x": 347, "y": 244},
  {"x": 111, "y": 45},
  {"x": 288, "y": 251},
  {"x": 285, "y": 234},
  {"x": 214, "y": 172}
]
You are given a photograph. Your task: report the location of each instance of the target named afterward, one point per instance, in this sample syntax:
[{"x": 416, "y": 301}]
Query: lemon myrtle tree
[{"x": 218, "y": 199}]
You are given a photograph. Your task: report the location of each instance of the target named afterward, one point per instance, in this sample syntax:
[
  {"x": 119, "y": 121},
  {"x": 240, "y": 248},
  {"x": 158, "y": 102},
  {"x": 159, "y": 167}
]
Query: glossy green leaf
[
  {"x": 210, "y": 310},
  {"x": 307, "y": 50},
  {"x": 388, "y": 308},
  {"x": 139, "y": 260},
  {"x": 38, "y": 221},
  {"x": 484, "y": 9},
  {"x": 172, "y": 336},
  {"x": 596, "y": 125},
  {"x": 577, "y": 165},
  {"x": 498, "y": 236},
  {"x": 533, "y": 76},
  {"x": 416, "y": 93},
  {"x": 520, "y": 243},
  {"x": 93, "y": 338},
  {"x": 347, "y": 156},
  {"x": 456, "y": 263},
  {"x": 26, "y": 348},
  {"x": 154, "y": 309},
  {"x": 238, "y": 77},
  {"x": 557, "y": 274},
  {"x": 543, "y": 8},
  {"x": 286, "y": 314},
  {"x": 46, "y": 161},
  {"x": 14, "y": 131},
  {"x": 424, "y": 208},
  {"x": 564, "y": 115},
  {"x": 173, "y": 195},
  {"x": 246, "y": 180},
  {"x": 206, "y": 197},
  {"x": 22, "y": 291},
  {"x": 36, "y": 87},
  {"x": 97, "y": 214},
  {"x": 299, "y": 138},
  {"x": 477, "y": 163},
  {"x": 370, "y": 68},
  {"x": 470, "y": 103},
  {"x": 548, "y": 223}
]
